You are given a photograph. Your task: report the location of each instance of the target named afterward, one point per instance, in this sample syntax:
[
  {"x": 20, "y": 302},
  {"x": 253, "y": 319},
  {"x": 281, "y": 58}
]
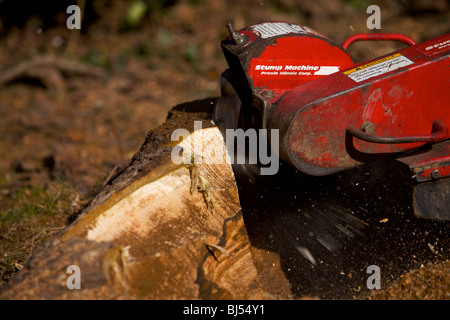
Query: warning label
[
  {"x": 378, "y": 67},
  {"x": 273, "y": 29}
]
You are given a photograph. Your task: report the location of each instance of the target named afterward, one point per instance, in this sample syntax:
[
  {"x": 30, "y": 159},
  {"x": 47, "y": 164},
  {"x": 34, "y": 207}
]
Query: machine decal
[
  {"x": 307, "y": 70},
  {"x": 378, "y": 67},
  {"x": 273, "y": 29}
]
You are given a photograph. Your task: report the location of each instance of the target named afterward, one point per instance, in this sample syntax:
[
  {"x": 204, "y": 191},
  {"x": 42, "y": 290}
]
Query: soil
[{"x": 76, "y": 106}]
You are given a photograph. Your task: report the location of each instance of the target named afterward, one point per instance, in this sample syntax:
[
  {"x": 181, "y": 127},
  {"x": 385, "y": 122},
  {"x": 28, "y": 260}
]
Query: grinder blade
[
  {"x": 227, "y": 116},
  {"x": 228, "y": 107}
]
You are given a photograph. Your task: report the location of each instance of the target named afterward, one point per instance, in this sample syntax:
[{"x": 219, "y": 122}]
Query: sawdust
[{"x": 429, "y": 282}]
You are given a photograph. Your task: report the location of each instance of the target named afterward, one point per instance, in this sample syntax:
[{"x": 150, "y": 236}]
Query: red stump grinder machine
[{"x": 333, "y": 114}]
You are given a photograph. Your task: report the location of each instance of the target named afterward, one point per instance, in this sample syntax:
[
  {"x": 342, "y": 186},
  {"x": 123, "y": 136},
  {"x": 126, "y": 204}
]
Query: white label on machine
[
  {"x": 378, "y": 67},
  {"x": 273, "y": 29},
  {"x": 326, "y": 70}
]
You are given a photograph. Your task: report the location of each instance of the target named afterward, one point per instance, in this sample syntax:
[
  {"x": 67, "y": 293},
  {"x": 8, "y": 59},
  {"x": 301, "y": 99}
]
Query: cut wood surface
[{"x": 160, "y": 230}]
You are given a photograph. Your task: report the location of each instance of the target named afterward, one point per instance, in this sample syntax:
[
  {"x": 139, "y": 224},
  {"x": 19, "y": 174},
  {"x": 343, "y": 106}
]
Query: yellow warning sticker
[{"x": 378, "y": 67}]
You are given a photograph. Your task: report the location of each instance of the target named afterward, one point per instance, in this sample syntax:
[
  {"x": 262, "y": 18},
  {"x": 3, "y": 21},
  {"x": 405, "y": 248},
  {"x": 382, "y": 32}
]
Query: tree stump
[{"x": 159, "y": 230}]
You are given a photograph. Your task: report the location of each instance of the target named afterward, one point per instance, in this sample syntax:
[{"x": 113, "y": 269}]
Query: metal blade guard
[{"x": 333, "y": 114}]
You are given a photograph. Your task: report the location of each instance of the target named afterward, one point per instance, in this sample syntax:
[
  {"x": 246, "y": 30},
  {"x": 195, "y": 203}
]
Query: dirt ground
[{"x": 76, "y": 106}]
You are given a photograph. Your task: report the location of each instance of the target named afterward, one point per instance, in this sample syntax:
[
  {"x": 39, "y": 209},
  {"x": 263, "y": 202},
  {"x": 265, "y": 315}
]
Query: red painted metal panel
[
  {"x": 429, "y": 164},
  {"x": 279, "y": 56},
  {"x": 295, "y": 60},
  {"x": 403, "y": 99}
]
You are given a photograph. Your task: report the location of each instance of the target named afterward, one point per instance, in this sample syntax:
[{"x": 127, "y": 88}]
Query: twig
[{"x": 36, "y": 66}]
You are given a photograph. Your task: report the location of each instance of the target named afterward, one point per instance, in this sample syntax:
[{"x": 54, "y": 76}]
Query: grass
[{"x": 30, "y": 215}]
